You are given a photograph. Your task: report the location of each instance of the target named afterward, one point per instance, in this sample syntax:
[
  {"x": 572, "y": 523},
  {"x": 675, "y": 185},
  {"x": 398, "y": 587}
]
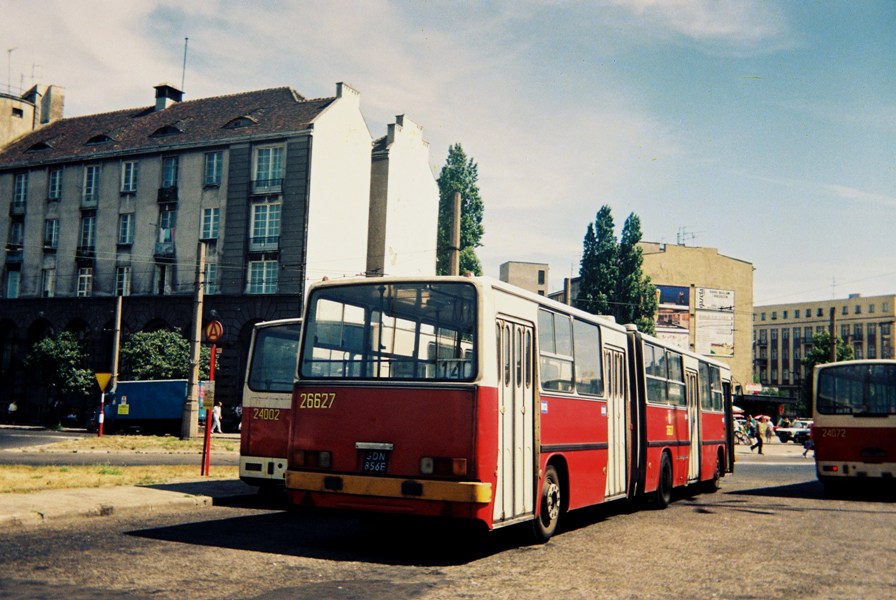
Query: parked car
[{"x": 798, "y": 432}]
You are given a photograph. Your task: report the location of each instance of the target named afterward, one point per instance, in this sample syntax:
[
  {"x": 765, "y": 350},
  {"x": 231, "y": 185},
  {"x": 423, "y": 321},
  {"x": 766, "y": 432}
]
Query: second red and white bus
[
  {"x": 854, "y": 429},
  {"x": 470, "y": 398},
  {"x": 267, "y": 402}
]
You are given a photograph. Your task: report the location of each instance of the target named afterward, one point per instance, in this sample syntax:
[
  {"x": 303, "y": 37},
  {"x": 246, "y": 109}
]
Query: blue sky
[{"x": 766, "y": 130}]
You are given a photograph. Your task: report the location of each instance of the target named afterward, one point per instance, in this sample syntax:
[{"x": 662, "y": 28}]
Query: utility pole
[
  {"x": 116, "y": 343},
  {"x": 833, "y": 334},
  {"x": 454, "y": 248},
  {"x": 190, "y": 422}
]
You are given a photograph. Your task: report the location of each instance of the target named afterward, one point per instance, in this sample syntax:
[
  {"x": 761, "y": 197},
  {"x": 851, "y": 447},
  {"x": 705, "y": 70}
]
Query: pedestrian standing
[
  {"x": 216, "y": 418},
  {"x": 769, "y": 430}
]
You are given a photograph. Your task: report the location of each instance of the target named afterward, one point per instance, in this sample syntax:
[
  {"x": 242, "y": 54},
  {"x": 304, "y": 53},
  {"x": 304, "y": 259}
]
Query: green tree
[
  {"x": 612, "y": 281},
  {"x": 636, "y": 300},
  {"x": 820, "y": 353},
  {"x": 599, "y": 268},
  {"x": 161, "y": 354},
  {"x": 460, "y": 174},
  {"x": 60, "y": 362}
]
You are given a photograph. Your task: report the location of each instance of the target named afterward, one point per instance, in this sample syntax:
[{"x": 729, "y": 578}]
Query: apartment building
[
  {"x": 275, "y": 186},
  {"x": 782, "y": 334}
]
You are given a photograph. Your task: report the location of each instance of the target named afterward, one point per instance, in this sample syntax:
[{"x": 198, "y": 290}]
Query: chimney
[{"x": 166, "y": 95}]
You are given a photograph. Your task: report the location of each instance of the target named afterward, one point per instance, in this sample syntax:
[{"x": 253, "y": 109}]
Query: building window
[
  {"x": 20, "y": 191},
  {"x": 51, "y": 233},
  {"x": 211, "y": 278},
  {"x": 211, "y": 219},
  {"x": 819, "y": 312},
  {"x": 844, "y": 310},
  {"x": 268, "y": 174},
  {"x": 540, "y": 276},
  {"x": 85, "y": 282},
  {"x": 16, "y": 234},
  {"x": 123, "y": 281},
  {"x": 214, "y": 165},
  {"x": 91, "y": 188},
  {"x": 870, "y": 309},
  {"x": 262, "y": 277},
  {"x": 162, "y": 280},
  {"x": 167, "y": 224},
  {"x": 12, "y": 284},
  {"x": 54, "y": 184},
  {"x": 48, "y": 283},
  {"x": 886, "y": 307},
  {"x": 858, "y": 309},
  {"x": 126, "y": 229},
  {"x": 774, "y": 315},
  {"x": 784, "y": 316},
  {"x": 169, "y": 172},
  {"x": 18, "y": 113},
  {"x": 265, "y": 226},
  {"x": 129, "y": 177},
  {"x": 88, "y": 231}
]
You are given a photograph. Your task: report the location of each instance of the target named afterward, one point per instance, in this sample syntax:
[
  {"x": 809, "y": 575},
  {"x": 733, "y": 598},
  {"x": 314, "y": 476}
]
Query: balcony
[
  {"x": 17, "y": 208},
  {"x": 85, "y": 254},
  {"x": 267, "y": 186},
  {"x": 89, "y": 200},
  {"x": 164, "y": 251},
  {"x": 168, "y": 195},
  {"x": 13, "y": 254},
  {"x": 270, "y": 243}
]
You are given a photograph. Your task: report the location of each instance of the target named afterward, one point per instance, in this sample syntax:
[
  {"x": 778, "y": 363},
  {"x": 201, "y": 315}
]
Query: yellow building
[{"x": 706, "y": 302}]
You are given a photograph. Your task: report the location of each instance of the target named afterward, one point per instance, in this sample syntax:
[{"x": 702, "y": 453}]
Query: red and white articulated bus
[
  {"x": 854, "y": 428},
  {"x": 267, "y": 402},
  {"x": 469, "y": 398}
]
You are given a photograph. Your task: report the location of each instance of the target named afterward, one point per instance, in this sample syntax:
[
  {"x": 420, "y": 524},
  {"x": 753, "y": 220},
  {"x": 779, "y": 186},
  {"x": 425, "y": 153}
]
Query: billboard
[{"x": 713, "y": 322}]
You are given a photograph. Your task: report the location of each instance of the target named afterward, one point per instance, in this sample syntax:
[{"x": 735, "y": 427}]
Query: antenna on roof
[{"x": 183, "y": 73}]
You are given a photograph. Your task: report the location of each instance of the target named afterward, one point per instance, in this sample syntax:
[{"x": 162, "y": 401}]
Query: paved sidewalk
[{"x": 34, "y": 508}]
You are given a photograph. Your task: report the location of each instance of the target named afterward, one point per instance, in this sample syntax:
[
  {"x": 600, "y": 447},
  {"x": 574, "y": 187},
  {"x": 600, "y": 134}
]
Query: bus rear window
[
  {"x": 398, "y": 331},
  {"x": 274, "y": 357},
  {"x": 860, "y": 389}
]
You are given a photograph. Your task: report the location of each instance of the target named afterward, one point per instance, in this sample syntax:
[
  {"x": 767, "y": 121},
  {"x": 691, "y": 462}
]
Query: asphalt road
[{"x": 770, "y": 533}]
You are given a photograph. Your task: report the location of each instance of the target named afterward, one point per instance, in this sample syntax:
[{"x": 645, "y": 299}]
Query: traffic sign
[
  {"x": 214, "y": 331},
  {"x": 103, "y": 380}
]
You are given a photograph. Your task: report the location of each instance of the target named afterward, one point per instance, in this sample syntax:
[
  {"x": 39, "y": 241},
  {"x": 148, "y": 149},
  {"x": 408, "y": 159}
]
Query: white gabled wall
[
  {"x": 412, "y": 207},
  {"x": 339, "y": 190}
]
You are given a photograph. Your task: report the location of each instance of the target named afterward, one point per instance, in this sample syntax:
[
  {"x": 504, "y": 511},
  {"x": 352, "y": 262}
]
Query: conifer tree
[
  {"x": 460, "y": 174},
  {"x": 611, "y": 278}
]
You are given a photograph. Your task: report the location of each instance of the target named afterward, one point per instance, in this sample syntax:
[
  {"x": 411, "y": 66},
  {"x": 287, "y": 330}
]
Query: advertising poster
[
  {"x": 714, "y": 313},
  {"x": 673, "y": 320}
]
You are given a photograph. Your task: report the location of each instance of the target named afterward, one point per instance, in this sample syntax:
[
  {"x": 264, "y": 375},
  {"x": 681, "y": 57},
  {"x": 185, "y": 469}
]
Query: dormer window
[
  {"x": 166, "y": 130},
  {"x": 99, "y": 139},
  {"x": 39, "y": 146},
  {"x": 240, "y": 122}
]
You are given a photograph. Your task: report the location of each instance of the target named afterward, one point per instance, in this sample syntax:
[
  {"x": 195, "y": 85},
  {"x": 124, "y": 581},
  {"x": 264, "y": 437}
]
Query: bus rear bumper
[
  {"x": 855, "y": 469},
  {"x": 390, "y": 487},
  {"x": 257, "y": 470}
]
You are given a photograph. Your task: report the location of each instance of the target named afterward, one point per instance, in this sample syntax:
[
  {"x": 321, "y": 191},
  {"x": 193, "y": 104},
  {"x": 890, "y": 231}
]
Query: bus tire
[
  {"x": 714, "y": 484},
  {"x": 550, "y": 504},
  {"x": 662, "y": 496}
]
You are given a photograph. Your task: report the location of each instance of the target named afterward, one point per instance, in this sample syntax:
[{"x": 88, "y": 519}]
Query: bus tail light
[
  {"x": 312, "y": 459},
  {"x": 445, "y": 467}
]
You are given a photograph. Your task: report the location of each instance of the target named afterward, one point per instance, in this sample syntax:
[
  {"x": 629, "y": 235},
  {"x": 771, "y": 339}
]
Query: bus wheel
[
  {"x": 663, "y": 494},
  {"x": 714, "y": 484},
  {"x": 545, "y": 523}
]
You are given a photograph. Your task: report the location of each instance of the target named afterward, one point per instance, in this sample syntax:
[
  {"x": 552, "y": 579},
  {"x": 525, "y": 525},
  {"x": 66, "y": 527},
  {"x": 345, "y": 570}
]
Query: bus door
[
  {"x": 693, "y": 425},
  {"x": 616, "y": 387},
  {"x": 516, "y": 421}
]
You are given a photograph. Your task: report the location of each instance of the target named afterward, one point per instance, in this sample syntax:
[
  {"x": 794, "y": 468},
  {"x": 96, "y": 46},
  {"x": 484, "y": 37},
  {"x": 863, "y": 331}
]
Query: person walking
[
  {"x": 216, "y": 418},
  {"x": 754, "y": 425},
  {"x": 12, "y": 411}
]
